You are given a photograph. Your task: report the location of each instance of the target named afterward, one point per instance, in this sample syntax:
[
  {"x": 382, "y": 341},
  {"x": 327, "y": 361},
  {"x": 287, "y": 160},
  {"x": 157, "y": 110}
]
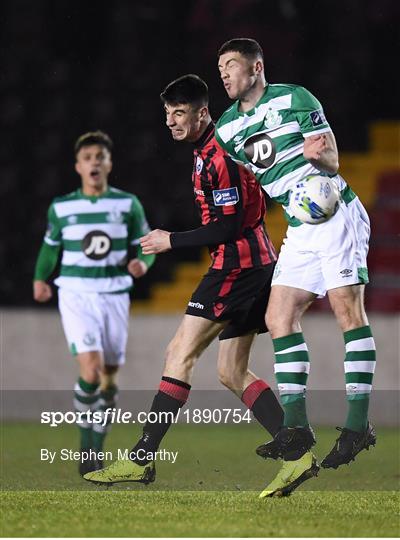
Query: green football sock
[
  {"x": 106, "y": 400},
  {"x": 359, "y": 367},
  {"x": 291, "y": 370},
  {"x": 85, "y": 395}
]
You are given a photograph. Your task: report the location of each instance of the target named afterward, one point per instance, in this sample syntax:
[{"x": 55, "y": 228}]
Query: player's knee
[
  {"x": 349, "y": 318},
  {"x": 281, "y": 323},
  {"x": 270, "y": 322},
  {"x": 90, "y": 367},
  {"x": 108, "y": 377},
  {"x": 109, "y": 370},
  {"x": 90, "y": 375},
  {"x": 275, "y": 323},
  {"x": 349, "y": 311},
  {"x": 273, "y": 318}
]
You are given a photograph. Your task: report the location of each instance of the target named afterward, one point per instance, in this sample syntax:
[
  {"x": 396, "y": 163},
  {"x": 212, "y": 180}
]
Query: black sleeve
[{"x": 217, "y": 232}]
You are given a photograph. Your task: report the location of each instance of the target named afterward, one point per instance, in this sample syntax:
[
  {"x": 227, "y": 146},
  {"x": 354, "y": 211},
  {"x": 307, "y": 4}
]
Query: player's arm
[
  {"x": 321, "y": 151},
  {"x": 138, "y": 262},
  {"x": 225, "y": 225},
  {"x": 216, "y": 232},
  {"x": 319, "y": 141},
  {"x": 47, "y": 258}
]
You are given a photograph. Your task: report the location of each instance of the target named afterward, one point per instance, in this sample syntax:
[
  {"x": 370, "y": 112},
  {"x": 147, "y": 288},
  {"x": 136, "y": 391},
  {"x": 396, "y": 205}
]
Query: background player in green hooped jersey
[
  {"x": 97, "y": 229},
  {"x": 281, "y": 133}
]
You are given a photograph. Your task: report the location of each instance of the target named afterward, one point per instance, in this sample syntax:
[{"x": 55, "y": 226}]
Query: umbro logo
[{"x": 346, "y": 272}]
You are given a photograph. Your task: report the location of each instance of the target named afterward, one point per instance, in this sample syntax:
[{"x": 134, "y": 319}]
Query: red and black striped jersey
[{"x": 223, "y": 187}]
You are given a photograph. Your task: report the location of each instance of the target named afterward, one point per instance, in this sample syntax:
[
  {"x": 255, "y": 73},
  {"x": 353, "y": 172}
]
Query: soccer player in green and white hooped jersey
[
  {"x": 281, "y": 133},
  {"x": 97, "y": 229}
]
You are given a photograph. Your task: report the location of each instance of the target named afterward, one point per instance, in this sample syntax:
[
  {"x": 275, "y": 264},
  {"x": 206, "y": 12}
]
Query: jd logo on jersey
[
  {"x": 96, "y": 245},
  {"x": 260, "y": 150}
]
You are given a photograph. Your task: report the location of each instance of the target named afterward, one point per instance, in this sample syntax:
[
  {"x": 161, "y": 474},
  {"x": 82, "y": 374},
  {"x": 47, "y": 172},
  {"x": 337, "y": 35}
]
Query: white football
[{"x": 314, "y": 199}]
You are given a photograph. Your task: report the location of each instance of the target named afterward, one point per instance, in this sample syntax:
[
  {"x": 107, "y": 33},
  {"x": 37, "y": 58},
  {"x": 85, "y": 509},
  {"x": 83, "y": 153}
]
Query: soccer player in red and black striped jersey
[
  {"x": 231, "y": 299},
  {"x": 230, "y": 205}
]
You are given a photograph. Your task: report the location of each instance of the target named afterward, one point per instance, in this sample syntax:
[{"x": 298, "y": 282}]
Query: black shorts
[{"x": 239, "y": 296}]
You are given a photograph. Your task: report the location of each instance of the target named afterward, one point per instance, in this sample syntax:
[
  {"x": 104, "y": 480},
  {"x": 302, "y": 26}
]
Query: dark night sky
[{"x": 69, "y": 67}]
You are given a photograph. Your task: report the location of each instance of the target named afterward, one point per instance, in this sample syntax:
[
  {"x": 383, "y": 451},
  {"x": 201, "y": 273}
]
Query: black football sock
[
  {"x": 264, "y": 405},
  {"x": 172, "y": 395}
]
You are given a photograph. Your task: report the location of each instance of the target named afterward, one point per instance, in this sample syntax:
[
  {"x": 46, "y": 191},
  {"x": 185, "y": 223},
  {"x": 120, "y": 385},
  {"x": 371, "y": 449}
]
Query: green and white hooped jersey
[
  {"x": 269, "y": 139},
  {"x": 94, "y": 234}
]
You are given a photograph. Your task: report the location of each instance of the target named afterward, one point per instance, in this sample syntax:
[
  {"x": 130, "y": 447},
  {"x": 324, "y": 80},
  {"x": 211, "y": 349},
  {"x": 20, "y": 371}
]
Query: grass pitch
[
  {"x": 211, "y": 490},
  {"x": 201, "y": 514}
]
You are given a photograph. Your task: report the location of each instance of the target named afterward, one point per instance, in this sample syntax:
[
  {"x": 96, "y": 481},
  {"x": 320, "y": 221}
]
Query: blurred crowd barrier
[{"x": 35, "y": 358}]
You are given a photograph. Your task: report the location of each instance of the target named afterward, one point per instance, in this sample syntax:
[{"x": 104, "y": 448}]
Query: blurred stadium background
[{"x": 71, "y": 66}]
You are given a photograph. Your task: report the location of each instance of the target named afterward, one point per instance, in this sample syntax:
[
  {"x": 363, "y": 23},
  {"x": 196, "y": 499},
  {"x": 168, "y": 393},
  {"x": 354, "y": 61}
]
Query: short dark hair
[
  {"x": 93, "y": 137},
  {"x": 249, "y": 48},
  {"x": 188, "y": 89}
]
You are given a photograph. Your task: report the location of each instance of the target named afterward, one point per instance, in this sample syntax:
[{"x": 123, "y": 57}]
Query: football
[{"x": 314, "y": 199}]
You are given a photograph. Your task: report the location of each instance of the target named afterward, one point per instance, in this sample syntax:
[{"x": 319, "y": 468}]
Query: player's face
[
  {"x": 237, "y": 73},
  {"x": 184, "y": 121},
  {"x": 93, "y": 164}
]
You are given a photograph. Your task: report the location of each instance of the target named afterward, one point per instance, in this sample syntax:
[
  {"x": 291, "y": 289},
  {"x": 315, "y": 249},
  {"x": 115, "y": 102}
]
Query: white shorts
[
  {"x": 96, "y": 322},
  {"x": 326, "y": 256}
]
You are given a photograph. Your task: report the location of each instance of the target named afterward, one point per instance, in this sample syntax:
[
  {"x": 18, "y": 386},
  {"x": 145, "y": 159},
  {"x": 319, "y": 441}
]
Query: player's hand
[
  {"x": 41, "y": 291},
  {"x": 156, "y": 241},
  {"x": 314, "y": 146},
  {"x": 137, "y": 268}
]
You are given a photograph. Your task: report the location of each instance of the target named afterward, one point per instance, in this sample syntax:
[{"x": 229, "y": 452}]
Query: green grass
[
  {"x": 211, "y": 490},
  {"x": 132, "y": 514}
]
